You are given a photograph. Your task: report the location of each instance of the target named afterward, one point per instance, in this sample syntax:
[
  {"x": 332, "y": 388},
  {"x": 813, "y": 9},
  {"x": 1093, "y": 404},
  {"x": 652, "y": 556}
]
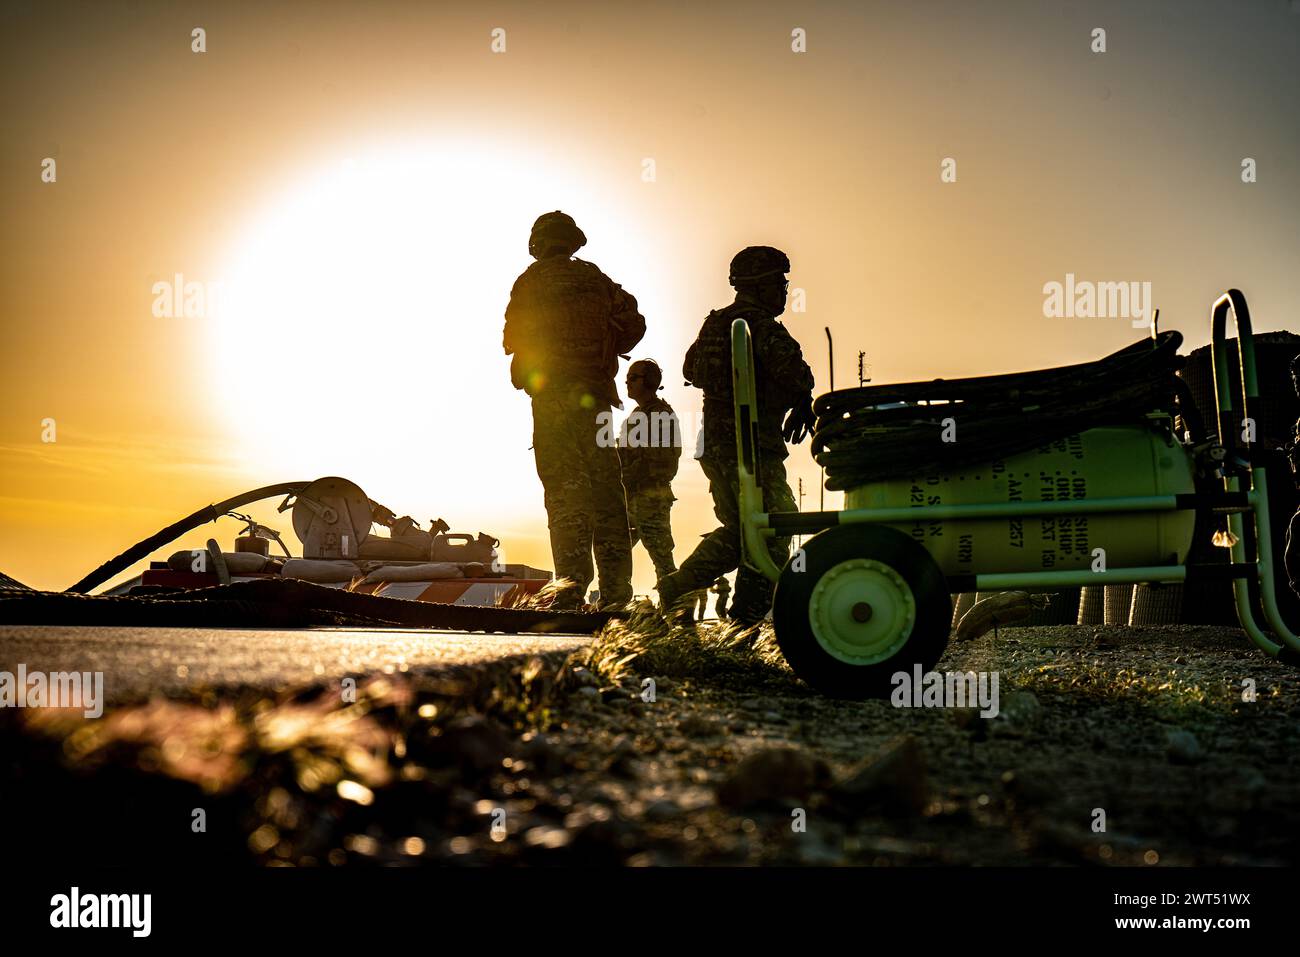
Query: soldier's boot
[
  {"x": 568, "y": 518},
  {"x": 676, "y": 604},
  {"x": 571, "y": 553},
  {"x": 614, "y": 578},
  {"x": 569, "y": 596},
  {"x": 614, "y": 575},
  {"x": 753, "y": 597}
]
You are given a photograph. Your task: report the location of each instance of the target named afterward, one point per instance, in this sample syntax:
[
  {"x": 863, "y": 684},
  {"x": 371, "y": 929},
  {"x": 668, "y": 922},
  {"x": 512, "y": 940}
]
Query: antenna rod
[{"x": 830, "y": 356}]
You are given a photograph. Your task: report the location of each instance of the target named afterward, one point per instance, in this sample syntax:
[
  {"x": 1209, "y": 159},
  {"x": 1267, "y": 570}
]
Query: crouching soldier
[
  {"x": 785, "y": 385},
  {"x": 649, "y": 450}
]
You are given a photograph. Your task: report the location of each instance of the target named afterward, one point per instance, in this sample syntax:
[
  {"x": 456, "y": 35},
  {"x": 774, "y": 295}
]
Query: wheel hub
[{"x": 861, "y": 611}]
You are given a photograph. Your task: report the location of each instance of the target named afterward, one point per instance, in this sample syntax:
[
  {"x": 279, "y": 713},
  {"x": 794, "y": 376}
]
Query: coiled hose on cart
[{"x": 891, "y": 431}]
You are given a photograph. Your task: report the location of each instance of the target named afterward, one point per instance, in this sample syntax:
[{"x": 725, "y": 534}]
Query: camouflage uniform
[
  {"x": 649, "y": 450},
  {"x": 566, "y": 325},
  {"x": 783, "y": 380}
]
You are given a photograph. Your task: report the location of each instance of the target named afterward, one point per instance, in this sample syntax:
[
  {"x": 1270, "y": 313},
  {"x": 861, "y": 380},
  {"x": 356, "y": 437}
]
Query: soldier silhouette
[
  {"x": 566, "y": 325},
  {"x": 649, "y": 450},
  {"x": 785, "y": 385},
  {"x": 721, "y": 588}
]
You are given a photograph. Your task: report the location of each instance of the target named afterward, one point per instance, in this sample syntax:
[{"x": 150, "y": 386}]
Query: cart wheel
[{"x": 868, "y": 602}]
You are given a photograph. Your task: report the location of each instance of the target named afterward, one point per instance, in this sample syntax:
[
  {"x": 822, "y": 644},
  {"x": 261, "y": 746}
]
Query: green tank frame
[{"x": 1244, "y": 494}]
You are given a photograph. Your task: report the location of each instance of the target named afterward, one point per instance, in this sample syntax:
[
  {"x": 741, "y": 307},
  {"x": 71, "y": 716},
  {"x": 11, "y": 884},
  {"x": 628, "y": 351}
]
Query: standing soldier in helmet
[
  {"x": 566, "y": 325},
  {"x": 649, "y": 448},
  {"x": 784, "y": 386}
]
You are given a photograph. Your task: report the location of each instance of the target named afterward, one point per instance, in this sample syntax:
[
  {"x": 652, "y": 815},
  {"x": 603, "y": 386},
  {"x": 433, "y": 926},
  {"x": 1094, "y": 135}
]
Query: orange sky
[{"x": 369, "y": 172}]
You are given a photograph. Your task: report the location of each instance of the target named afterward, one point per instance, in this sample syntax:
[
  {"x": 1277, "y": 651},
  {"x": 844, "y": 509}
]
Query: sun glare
[{"x": 360, "y": 327}]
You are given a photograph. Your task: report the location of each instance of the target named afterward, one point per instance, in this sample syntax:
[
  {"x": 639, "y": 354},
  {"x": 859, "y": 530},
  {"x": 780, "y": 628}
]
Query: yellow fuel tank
[{"x": 1100, "y": 463}]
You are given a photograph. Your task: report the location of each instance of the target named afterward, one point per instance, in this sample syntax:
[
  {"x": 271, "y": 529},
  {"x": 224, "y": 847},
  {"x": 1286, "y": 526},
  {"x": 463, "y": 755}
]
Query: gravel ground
[
  {"x": 1113, "y": 746},
  {"x": 1147, "y": 725}
]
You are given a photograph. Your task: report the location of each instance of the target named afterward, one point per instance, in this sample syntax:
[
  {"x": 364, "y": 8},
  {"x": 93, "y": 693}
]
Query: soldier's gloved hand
[{"x": 800, "y": 422}]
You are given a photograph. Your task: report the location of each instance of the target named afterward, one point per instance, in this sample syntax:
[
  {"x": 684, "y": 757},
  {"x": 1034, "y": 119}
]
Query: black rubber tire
[{"x": 811, "y": 662}]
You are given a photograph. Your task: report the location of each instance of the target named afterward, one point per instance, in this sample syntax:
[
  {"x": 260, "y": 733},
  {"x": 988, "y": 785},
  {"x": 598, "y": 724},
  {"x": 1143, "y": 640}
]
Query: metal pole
[
  {"x": 798, "y": 539},
  {"x": 830, "y": 366}
]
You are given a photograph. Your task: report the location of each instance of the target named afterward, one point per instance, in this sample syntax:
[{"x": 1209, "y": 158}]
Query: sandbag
[
  {"x": 238, "y": 563},
  {"x": 320, "y": 570},
  {"x": 428, "y": 571}
]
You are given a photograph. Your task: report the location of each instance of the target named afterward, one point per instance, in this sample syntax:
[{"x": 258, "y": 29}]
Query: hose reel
[{"x": 331, "y": 517}]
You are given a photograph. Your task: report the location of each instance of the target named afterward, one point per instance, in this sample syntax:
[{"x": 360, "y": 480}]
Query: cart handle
[
  {"x": 744, "y": 391},
  {"x": 1257, "y": 491},
  {"x": 1233, "y": 301}
]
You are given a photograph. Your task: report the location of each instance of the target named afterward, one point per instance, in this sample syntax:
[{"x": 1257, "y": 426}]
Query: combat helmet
[
  {"x": 554, "y": 229},
  {"x": 649, "y": 370},
  {"x": 758, "y": 266}
]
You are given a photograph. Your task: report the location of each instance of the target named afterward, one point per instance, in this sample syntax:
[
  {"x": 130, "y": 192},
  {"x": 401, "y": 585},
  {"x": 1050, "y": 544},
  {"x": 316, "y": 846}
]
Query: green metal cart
[{"x": 869, "y": 595}]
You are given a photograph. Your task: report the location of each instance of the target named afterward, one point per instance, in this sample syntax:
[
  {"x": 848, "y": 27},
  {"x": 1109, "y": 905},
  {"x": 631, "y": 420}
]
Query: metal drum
[{"x": 1100, "y": 463}]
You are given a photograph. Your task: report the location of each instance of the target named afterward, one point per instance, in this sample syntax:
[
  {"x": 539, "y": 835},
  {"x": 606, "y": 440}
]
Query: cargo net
[{"x": 885, "y": 432}]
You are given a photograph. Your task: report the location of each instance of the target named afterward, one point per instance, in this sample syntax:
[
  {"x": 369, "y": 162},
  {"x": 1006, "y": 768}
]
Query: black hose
[
  {"x": 174, "y": 531},
  {"x": 875, "y": 433}
]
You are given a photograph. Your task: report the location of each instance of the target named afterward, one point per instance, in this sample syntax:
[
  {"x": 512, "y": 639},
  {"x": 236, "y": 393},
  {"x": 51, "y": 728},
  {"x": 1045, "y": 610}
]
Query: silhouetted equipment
[
  {"x": 460, "y": 547},
  {"x": 879, "y": 432},
  {"x": 1055, "y": 479},
  {"x": 331, "y": 517},
  {"x": 209, "y": 513},
  {"x": 1278, "y": 407},
  {"x": 1275, "y": 413},
  {"x": 256, "y": 537}
]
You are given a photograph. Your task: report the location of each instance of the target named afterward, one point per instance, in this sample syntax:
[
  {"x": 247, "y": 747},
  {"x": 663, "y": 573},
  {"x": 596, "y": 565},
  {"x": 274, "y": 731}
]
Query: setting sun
[
  {"x": 358, "y": 331},
  {"x": 824, "y": 439}
]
